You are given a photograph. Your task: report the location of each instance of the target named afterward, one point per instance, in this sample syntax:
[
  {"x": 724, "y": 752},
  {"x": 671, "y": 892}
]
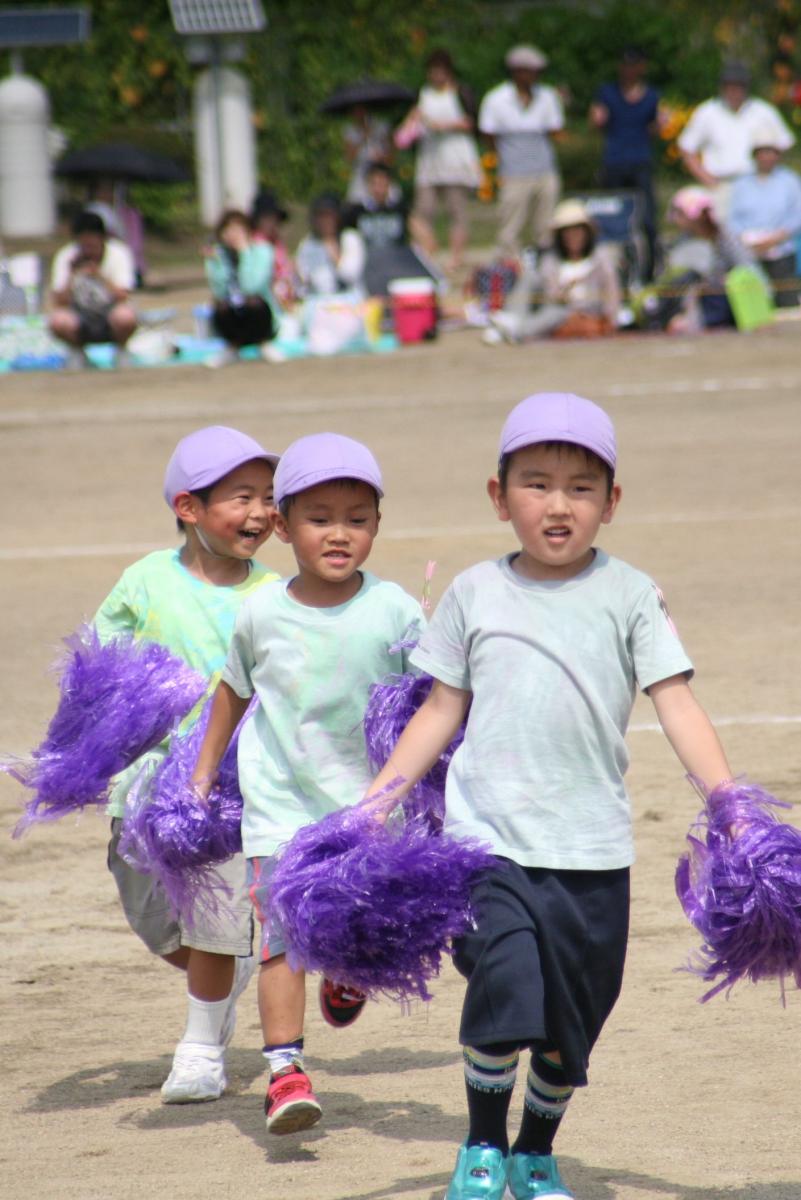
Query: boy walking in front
[{"x": 548, "y": 646}]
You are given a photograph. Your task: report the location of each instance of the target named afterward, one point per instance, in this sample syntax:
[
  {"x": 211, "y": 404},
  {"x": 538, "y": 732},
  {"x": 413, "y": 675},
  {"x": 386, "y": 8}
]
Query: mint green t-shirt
[
  {"x": 302, "y": 754},
  {"x": 158, "y": 600}
]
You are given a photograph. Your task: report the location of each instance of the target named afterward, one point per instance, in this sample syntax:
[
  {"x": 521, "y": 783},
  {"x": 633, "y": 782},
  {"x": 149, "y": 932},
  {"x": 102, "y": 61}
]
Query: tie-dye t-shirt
[
  {"x": 302, "y": 753},
  {"x": 159, "y": 600}
]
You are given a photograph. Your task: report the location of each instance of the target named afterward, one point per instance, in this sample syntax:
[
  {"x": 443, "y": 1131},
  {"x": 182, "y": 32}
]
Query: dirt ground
[{"x": 685, "y": 1100}]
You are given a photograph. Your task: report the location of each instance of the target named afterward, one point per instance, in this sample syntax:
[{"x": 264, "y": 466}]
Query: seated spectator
[
  {"x": 330, "y": 259},
  {"x": 576, "y": 282},
  {"x": 266, "y": 220},
  {"x": 91, "y": 280},
  {"x": 382, "y": 223},
  {"x": 239, "y": 270},
  {"x": 698, "y": 292},
  {"x": 766, "y": 215}
]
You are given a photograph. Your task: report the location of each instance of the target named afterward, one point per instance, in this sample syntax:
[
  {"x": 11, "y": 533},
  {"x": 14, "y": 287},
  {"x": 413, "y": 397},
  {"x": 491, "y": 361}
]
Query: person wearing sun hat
[
  {"x": 547, "y": 647},
  {"x": 218, "y": 484},
  {"x": 765, "y": 213},
  {"x": 518, "y": 118},
  {"x": 310, "y": 648},
  {"x": 576, "y": 286}
]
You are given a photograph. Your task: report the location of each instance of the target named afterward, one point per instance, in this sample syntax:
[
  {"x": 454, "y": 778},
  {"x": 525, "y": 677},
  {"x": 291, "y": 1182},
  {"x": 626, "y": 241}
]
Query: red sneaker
[
  {"x": 339, "y": 1004},
  {"x": 291, "y": 1105}
]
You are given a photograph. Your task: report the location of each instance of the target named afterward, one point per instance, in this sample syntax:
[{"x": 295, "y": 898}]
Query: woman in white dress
[{"x": 447, "y": 167}]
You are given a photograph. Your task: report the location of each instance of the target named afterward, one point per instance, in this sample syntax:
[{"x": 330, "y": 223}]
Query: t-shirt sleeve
[
  {"x": 555, "y": 113},
  {"x": 654, "y": 642},
  {"x": 118, "y": 613},
  {"x": 442, "y": 651},
  {"x": 118, "y": 265},
  {"x": 241, "y": 660},
  {"x": 487, "y": 119},
  {"x": 693, "y": 136},
  {"x": 60, "y": 272}
]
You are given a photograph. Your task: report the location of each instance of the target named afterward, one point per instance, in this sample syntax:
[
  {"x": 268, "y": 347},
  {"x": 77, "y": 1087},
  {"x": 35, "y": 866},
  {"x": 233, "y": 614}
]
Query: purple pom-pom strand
[
  {"x": 178, "y": 837},
  {"x": 740, "y": 886},
  {"x": 118, "y": 700},
  {"x": 374, "y": 905},
  {"x": 390, "y": 707}
]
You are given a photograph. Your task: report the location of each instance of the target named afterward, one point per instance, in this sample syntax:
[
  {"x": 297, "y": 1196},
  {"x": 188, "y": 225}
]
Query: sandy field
[{"x": 685, "y": 1100}]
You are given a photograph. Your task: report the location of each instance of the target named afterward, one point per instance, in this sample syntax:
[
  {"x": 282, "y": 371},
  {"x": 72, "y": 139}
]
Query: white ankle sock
[{"x": 204, "y": 1020}]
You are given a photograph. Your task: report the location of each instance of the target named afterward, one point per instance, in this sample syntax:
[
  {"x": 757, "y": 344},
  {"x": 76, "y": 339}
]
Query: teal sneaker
[
  {"x": 480, "y": 1174},
  {"x": 535, "y": 1177}
]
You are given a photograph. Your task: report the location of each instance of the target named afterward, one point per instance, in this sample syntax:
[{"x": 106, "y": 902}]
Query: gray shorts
[{"x": 149, "y": 915}]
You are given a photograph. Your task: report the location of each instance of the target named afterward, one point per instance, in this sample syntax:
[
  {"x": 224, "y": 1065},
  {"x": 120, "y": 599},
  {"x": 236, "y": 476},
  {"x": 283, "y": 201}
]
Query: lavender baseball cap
[
  {"x": 321, "y": 457},
  {"x": 560, "y": 417},
  {"x": 203, "y": 457}
]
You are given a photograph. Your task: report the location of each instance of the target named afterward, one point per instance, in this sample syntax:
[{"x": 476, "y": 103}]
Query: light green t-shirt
[
  {"x": 302, "y": 754},
  {"x": 158, "y": 600},
  {"x": 553, "y": 668}
]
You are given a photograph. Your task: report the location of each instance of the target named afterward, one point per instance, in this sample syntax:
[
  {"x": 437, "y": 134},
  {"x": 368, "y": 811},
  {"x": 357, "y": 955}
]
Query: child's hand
[{"x": 201, "y": 788}]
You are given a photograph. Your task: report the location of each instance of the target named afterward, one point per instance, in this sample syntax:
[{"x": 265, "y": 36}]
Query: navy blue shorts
[{"x": 545, "y": 964}]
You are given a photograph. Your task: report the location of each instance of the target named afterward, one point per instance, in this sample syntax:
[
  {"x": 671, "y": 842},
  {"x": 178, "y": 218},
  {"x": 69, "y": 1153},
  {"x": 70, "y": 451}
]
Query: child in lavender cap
[
  {"x": 310, "y": 647},
  {"x": 219, "y": 486},
  {"x": 548, "y": 646}
]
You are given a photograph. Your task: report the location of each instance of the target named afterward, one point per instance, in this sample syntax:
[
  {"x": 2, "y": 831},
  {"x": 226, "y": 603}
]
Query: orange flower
[
  {"x": 158, "y": 68},
  {"x": 131, "y": 96},
  {"x": 139, "y": 33}
]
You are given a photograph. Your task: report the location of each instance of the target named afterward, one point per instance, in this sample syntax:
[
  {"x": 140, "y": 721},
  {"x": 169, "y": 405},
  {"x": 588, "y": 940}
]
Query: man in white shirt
[
  {"x": 518, "y": 119},
  {"x": 90, "y": 282},
  {"x": 717, "y": 141}
]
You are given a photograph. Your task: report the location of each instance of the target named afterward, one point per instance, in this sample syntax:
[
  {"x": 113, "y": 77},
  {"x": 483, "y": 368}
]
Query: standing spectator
[
  {"x": 448, "y": 166},
  {"x": 368, "y": 139},
  {"x": 266, "y": 219},
  {"x": 519, "y": 118},
  {"x": 766, "y": 215},
  {"x": 91, "y": 280},
  {"x": 716, "y": 142},
  {"x": 239, "y": 270},
  {"x": 627, "y": 113}
]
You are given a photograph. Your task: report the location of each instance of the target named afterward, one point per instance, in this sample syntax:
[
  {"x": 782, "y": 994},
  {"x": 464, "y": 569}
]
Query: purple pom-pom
[
  {"x": 374, "y": 906},
  {"x": 169, "y": 832},
  {"x": 390, "y": 707},
  {"x": 740, "y": 886},
  {"x": 118, "y": 700}
]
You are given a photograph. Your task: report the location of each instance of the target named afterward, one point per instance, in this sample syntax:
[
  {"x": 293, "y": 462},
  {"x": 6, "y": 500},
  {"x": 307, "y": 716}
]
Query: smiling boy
[
  {"x": 547, "y": 647},
  {"x": 310, "y": 647}
]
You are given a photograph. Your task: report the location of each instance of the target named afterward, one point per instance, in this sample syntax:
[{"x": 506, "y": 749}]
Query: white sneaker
[
  {"x": 243, "y": 971},
  {"x": 223, "y": 358},
  {"x": 198, "y": 1073}
]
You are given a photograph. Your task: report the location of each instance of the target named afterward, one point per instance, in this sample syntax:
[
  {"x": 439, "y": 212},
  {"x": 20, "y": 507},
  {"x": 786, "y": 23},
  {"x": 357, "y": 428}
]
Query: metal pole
[{"x": 216, "y": 85}]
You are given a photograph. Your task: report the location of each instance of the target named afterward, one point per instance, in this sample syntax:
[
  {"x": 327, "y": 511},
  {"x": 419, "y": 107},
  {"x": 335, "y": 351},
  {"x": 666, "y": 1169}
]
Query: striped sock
[
  {"x": 490, "y": 1077},
  {"x": 283, "y": 1055},
  {"x": 547, "y": 1097}
]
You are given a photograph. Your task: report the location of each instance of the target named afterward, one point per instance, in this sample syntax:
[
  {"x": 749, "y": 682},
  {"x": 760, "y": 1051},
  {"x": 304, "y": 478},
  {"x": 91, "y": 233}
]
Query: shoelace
[{"x": 292, "y": 1083}]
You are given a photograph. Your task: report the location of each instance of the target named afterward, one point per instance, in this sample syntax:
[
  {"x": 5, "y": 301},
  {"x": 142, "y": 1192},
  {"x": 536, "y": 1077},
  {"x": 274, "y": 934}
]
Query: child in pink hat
[
  {"x": 309, "y": 647},
  {"x": 547, "y": 646}
]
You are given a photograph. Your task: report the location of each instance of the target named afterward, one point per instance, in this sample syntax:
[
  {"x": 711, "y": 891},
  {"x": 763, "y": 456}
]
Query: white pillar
[
  {"x": 27, "y": 206},
  {"x": 225, "y": 142}
]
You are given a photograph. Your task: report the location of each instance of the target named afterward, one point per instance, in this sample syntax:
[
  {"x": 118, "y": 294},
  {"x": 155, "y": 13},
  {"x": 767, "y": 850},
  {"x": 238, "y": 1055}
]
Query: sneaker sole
[
  {"x": 295, "y": 1116},
  {"x": 350, "y": 1015},
  {"x": 185, "y": 1099}
]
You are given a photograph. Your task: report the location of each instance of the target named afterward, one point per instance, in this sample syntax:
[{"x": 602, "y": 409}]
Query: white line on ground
[{"x": 263, "y": 405}]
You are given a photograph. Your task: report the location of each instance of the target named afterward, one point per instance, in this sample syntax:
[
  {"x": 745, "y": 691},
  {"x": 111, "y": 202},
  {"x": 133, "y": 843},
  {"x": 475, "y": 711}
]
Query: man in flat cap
[
  {"x": 518, "y": 118},
  {"x": 717, "y": 140}
]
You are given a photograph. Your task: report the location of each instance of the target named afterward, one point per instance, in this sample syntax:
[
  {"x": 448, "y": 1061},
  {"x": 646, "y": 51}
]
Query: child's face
[
  {"x": 331, "y": 528},
  {"x": 238, "y": 516},
  {"x": 556, "y": 500}
]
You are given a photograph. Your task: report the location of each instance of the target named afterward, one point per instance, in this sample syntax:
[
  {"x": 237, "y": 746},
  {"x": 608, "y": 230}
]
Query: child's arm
[
  {"x": 227, "y": 710},
  {"x": 431, "y": 729},
  {"x": 690, "y": 731}
]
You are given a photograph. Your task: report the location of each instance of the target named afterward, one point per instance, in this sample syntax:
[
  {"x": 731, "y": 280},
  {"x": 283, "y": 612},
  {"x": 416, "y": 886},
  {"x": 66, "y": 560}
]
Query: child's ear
[
  {"x": 280, "y": 528},
  {"x": 611, "y": 504},
  {"x": 185, "y": 507},
  {"x": 498, "y": 498}
]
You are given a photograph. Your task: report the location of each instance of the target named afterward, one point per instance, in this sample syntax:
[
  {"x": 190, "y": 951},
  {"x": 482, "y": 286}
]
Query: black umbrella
[
  {"x": 372, "y": 93},
  {"x": 120, "y": 160}
]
